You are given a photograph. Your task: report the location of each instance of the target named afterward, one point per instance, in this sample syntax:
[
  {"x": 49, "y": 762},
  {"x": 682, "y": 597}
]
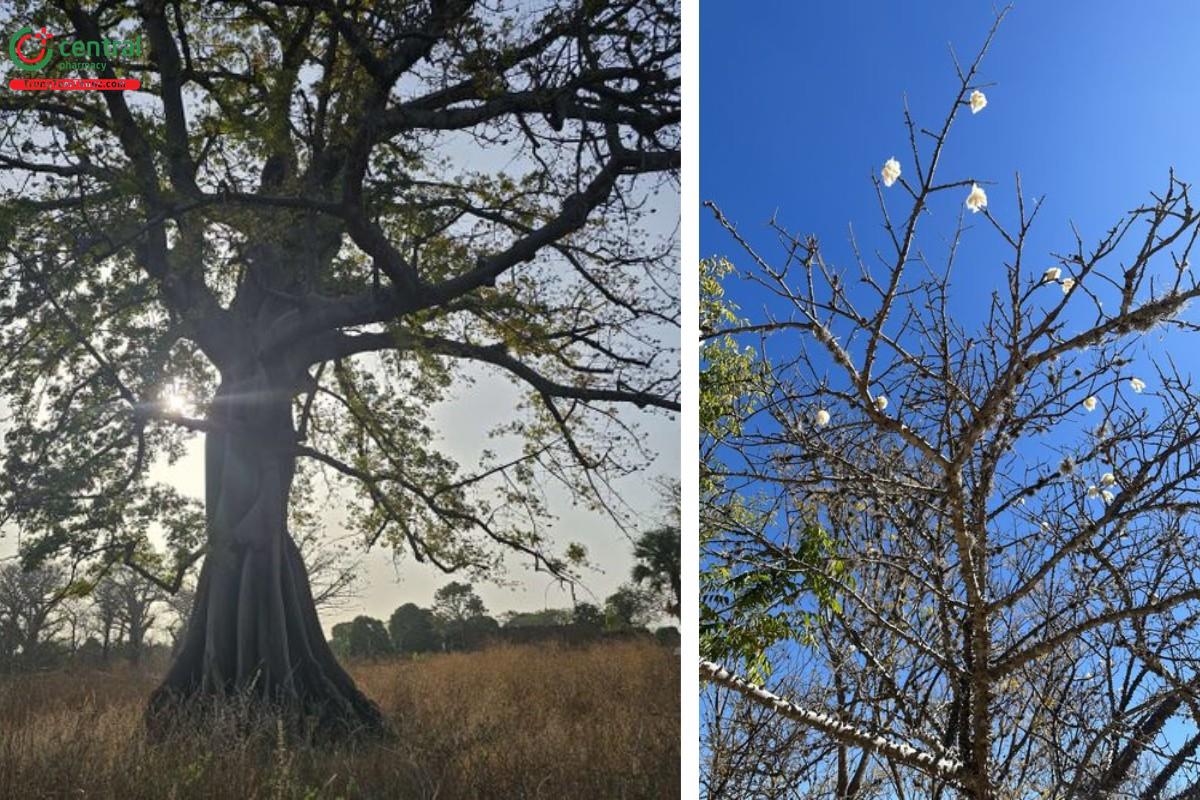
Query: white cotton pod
[
  {"x": 890, "y": 172},
  {"x": 977, "y": 199}
]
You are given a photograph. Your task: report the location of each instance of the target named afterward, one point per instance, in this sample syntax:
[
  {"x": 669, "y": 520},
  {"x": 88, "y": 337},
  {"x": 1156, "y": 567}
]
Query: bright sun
[{"x": 173, "y": 400}]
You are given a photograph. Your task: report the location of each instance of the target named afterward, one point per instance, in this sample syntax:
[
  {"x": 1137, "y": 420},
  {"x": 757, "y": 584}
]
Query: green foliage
[
  {"x": 457, "y": 601},
  {"x": 730, "y": 380},
  {"x": 760, "y": 594},
  {"x": 731, "y": 387},
  {"x": 362, "y": 637},
  {"x": 629, "y": 607},
  {"x": 413, "y": 630},
  {"x": 754, "y": 591},
  {"x": 539, "y": 619},
  {"x": 587, "y": 614}
]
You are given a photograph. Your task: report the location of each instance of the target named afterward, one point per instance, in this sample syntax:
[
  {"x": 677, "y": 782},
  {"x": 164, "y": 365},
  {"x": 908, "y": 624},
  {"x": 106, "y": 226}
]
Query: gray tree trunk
[{"x": 254, "y": 628}]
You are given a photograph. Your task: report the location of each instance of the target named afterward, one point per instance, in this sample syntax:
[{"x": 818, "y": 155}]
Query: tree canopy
[
  {"x": 969, "y": 540},
  {"x": 413, "y": 629},
  {"x": 378, "y": 199},
  {"x": 361, "y": 637},
  {"x": 657, "y": 552}
]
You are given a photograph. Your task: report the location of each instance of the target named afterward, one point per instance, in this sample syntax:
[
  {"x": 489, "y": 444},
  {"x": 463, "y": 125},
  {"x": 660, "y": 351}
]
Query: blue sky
[{"x": 801, "y": 102}]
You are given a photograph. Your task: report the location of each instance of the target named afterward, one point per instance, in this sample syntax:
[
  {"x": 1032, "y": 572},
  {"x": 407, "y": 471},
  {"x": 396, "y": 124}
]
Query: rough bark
[{"x": 254, "y": 633}]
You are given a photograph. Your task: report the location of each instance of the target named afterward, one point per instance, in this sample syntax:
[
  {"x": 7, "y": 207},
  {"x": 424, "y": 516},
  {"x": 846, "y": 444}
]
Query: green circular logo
[{"x": 29, "y": 49}]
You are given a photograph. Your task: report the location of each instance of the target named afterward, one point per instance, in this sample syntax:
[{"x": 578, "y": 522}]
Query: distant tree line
[
  {"x": 46, "y": 616},
  {"x": 459, "y": 621},
  {"x": 50, "y": 615}
]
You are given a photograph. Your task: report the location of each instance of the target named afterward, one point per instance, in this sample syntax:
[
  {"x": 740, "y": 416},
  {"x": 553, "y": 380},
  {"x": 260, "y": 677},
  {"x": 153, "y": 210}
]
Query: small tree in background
[
  {"x": 127, "y": 602},
  {"x": 461, "y": 615},
  {"x": 106, "y": 609},
  {"x": 629, "y": 607},
  {"x": 362, "y": 637},
  {"x": 588, "y": 614},
  {"x": 413, "y": 630},
  {"x": 180, "y": 604},
  {"x": 657, "y": 551},
  {"x": 457, "y": 601},
  {"x": 29, "y": 611}
]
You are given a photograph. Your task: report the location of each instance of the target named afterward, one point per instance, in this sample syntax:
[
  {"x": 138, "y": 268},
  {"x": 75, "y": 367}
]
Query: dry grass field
[{"x": 508, "y": 722}]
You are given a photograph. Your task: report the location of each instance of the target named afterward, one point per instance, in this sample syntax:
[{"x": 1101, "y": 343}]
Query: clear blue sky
[{"x": 802, "y": 101}]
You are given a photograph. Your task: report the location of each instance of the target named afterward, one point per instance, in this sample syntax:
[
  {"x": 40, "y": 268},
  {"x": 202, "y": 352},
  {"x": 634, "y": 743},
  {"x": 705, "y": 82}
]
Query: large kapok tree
[{"x": 315, "y": 220}]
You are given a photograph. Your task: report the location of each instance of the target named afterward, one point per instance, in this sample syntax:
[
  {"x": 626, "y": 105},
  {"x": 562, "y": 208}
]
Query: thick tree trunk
[{"x": 253, "y": 631}]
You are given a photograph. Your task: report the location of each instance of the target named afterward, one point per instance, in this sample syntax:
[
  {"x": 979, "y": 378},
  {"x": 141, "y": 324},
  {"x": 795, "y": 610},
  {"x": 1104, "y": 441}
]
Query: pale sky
[{"x": 462, "y": 423}]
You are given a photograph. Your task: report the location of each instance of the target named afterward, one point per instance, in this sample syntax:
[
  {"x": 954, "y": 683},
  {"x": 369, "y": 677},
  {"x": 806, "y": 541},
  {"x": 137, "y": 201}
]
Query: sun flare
[{"x": 174, "y": 401}]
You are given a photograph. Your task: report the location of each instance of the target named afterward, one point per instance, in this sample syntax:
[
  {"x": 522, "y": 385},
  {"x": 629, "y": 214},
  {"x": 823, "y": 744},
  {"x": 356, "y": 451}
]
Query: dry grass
[{"x": 511, "y": 722}]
